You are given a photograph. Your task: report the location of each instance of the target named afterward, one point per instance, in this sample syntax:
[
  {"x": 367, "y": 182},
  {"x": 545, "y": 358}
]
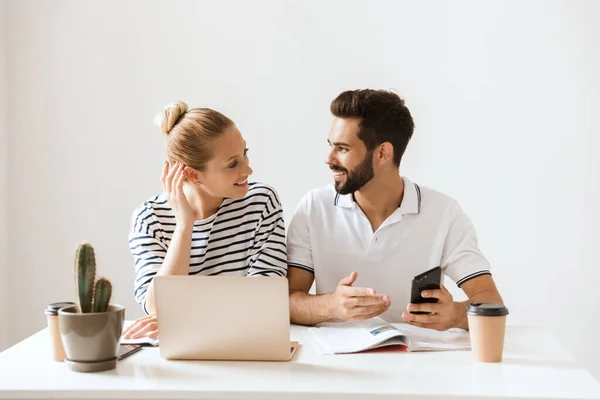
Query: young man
[{"x": 366, "y": 236}]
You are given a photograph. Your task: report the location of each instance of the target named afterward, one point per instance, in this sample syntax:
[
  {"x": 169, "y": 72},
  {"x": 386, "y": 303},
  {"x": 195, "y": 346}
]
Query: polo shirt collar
[{"x": 411, "y": 200}]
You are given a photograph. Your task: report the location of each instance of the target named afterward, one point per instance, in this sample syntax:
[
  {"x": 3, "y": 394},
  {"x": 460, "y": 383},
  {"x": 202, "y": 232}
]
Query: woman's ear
[{"x": 192, "y": 175}]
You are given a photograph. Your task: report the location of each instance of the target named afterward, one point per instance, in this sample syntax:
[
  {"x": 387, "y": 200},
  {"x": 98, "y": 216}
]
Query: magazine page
[
  {"x": 351, "y": 337},
  {"x": 423, "y": 339}
]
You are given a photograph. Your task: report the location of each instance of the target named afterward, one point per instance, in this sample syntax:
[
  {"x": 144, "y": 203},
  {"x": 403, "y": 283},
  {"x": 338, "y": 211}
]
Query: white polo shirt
[{"x": 330, "y": 236}]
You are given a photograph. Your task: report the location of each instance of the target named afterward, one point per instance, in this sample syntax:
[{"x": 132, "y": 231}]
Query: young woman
[{"x": 210, "y": 220}]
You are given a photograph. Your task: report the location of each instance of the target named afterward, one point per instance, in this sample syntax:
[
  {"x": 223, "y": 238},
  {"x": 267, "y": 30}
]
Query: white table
[{"x": 535, "y": 366}]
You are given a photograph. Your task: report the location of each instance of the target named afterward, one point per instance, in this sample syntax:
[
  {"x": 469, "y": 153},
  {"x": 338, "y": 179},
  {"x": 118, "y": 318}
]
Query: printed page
[
  {"x": 351, "y": 337},
  {"x": 422, "y": 339}
]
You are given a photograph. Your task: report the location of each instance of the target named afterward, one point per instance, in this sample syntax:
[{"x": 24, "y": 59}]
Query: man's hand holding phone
[
  {"x": 350, "y": 303},
  {"x": 432, "y": 305},
  {"x": 440, "y": 316}
]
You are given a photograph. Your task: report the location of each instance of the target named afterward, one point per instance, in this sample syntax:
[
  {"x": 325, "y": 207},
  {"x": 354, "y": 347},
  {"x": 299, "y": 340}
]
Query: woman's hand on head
[
  {"x": 172, "y": 180},
  {"x": 142, "y": 327}
]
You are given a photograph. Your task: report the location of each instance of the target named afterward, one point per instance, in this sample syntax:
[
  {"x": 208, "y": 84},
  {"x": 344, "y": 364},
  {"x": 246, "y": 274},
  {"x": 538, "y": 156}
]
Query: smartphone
[
  {"x": 427, "y": 280},
  {"x": 126, "y": 350}
]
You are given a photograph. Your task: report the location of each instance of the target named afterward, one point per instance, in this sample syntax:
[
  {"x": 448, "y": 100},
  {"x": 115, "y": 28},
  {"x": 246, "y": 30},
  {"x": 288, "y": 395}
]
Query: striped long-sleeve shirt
[{"x": 245, "y": 237}]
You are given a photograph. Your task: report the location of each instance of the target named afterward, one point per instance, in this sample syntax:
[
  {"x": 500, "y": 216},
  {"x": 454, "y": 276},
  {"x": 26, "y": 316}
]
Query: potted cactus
[{"x": 91, "y": 330}]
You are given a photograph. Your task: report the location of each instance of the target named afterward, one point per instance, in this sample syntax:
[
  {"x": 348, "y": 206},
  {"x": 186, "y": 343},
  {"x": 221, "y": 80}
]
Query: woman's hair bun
[{"x": 169, "y": 117}]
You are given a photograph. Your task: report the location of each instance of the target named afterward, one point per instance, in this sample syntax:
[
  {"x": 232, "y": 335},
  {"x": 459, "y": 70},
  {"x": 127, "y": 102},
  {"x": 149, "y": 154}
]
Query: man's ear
[{"x": 385, "y": 153}]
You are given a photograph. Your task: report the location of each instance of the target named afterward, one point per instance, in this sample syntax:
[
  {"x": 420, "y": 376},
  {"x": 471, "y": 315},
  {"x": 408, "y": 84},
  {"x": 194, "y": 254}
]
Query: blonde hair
[{"x": 190, "y": 134}]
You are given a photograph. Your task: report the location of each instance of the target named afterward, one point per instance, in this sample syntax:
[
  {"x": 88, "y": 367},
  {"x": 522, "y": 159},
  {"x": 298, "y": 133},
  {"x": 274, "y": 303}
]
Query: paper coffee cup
[
  {"x": 58, "y": 350},
  {"x": 487, "y": 326}
]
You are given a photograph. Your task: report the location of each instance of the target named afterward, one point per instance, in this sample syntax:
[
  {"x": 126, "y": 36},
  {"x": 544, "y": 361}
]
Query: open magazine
[{"x": 354, "y": 337}]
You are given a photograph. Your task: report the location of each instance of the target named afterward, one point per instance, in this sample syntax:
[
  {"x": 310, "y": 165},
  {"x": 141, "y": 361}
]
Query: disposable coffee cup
[
  {"x": 487, "y": 326},
  {"x": 58, "y": 350}
]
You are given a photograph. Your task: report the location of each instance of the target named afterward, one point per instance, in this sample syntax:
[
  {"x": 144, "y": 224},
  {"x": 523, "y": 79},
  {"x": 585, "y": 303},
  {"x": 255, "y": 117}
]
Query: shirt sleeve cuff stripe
[
  {"x": 473, "y": 275},
  {"x": 304, "y": 267}
]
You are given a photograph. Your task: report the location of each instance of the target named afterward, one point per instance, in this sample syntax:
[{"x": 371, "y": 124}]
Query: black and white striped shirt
[{"x": 244, "y": 237}]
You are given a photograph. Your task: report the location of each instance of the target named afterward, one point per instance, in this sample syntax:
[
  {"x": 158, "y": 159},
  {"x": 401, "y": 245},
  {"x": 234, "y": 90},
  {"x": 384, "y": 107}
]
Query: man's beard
[{"x": 357, "y": 178}]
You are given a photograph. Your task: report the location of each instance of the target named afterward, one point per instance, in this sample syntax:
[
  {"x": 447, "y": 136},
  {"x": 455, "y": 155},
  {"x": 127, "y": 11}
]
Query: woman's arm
[
  {"x": 268, "y": 256},
  {"x": 177, "y": 258}
]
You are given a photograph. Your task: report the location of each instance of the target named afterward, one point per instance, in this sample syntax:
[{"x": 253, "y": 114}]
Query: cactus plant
[
  {"x": 102, "y": 292},
  {"x": 93, "y": 296},
  {"x": 85, "y": 273}
]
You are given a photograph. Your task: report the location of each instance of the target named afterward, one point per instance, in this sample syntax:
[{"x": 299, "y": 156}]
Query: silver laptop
[{"x": 223, "y": 318}]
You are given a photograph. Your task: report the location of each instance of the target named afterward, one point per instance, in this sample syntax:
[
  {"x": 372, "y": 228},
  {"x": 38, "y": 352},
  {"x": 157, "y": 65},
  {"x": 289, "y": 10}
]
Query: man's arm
[
  {"x": 346, "y": 303},
  {"x": 481, "y": 289},
  {"x": 447, "y": 313},
  {"x": 305, "y": 309}
]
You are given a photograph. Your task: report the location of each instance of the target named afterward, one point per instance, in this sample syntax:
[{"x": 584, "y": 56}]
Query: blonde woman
[{"x": 210, "y": 220}]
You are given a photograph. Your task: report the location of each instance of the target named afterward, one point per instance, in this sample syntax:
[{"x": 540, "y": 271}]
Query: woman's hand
[
  {"x": 142, "y": 327},
  {"x": 172, "y": 180}
]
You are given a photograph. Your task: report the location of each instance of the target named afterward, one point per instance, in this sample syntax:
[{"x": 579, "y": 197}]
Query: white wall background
[
  {"x": 4, "y": 189},
  {"x": 504, "y": 96}
]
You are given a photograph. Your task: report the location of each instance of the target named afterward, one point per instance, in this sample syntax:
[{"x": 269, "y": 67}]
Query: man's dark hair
[{"x": 383, "y": 118}]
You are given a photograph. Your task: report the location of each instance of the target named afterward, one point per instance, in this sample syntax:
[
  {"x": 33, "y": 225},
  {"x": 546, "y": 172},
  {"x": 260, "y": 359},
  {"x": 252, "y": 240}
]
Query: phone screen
[{"x": 127, "y": 350}]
